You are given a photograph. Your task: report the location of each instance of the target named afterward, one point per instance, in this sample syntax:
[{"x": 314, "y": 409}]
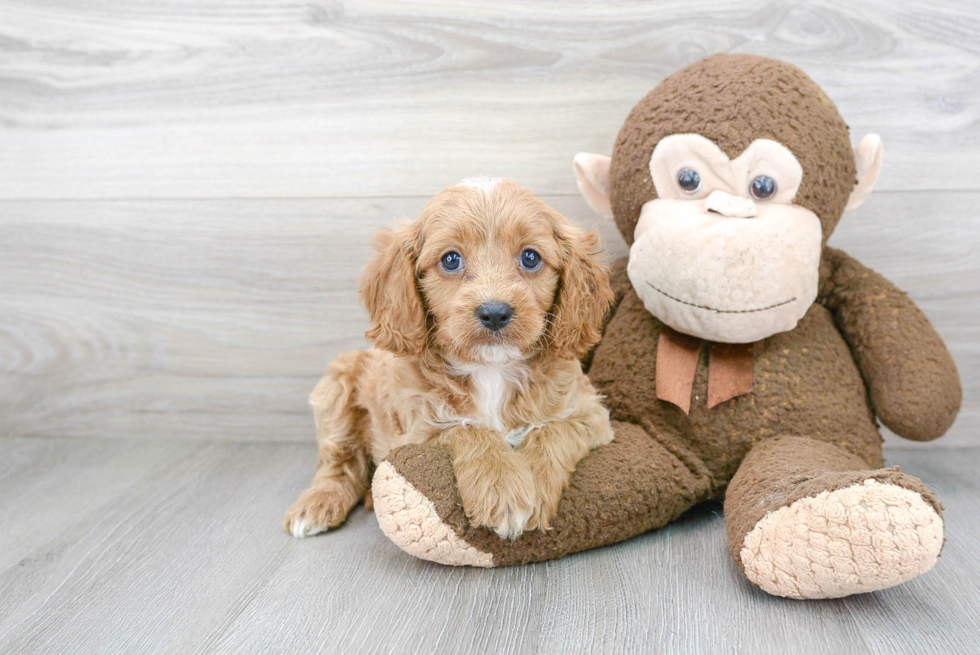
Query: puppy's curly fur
[{"x": 511, "y": 405}]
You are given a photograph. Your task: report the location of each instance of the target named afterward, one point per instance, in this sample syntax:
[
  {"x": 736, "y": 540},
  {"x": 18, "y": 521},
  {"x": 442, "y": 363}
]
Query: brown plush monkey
[{"x": 745, "y": 359}]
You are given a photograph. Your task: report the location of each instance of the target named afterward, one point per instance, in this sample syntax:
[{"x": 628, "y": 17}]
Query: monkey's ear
[
  {"x": 592, "y": 178},
  {"x": 867, "y": 158}
]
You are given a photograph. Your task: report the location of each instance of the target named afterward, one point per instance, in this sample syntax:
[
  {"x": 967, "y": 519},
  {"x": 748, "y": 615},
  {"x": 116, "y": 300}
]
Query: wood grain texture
[
  {"x": 215, "y": 318},
  {"x": 137, "y": 545},
  {"x": 187, "y": 188},
  {"x": 191, "y": 99}
]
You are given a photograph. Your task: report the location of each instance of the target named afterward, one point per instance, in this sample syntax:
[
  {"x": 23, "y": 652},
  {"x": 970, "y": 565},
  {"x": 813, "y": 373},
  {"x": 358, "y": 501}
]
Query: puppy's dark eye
[
  {"x": 451, "y": 262},
  {"x": 689, "y": 180},
  {"x": 530, "y": 260},
  {"x": 763, "y": 187}
]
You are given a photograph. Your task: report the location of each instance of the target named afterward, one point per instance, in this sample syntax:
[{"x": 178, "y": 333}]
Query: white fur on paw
[
  {"x": 862, "y": 538},
  {"x": 301, "y": 528},
  {"x": 410, "y": 520},
  {"x": 513, "y": 525}
]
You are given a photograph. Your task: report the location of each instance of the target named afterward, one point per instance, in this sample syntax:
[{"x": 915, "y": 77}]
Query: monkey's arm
[
  {"x": 620, "y": 284},
  {"x": 915, "y": 388}
]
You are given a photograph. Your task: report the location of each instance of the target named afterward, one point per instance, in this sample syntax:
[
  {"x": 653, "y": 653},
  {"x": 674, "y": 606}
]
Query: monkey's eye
[
  {"x": 763, "y": 187},
  {"x": 530, "y": 260},
  {"x": 689, "y": 180},
  {"x": 451, "y": 262}
]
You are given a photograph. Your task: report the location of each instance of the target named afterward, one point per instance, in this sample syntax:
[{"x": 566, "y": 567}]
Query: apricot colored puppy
[{"x": 481, "y": 309}]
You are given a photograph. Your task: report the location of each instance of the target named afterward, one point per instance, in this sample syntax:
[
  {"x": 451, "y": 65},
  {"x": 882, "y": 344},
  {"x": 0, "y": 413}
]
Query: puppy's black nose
[{"x": 494, "y": 315}]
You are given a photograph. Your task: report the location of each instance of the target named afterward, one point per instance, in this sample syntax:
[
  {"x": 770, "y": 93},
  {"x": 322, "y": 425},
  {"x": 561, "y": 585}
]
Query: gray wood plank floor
[{"x": 176, "y": 546}]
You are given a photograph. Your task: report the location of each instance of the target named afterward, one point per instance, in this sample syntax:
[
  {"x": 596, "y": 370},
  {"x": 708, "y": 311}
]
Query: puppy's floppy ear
[
  {"x": 389, "y": 291},
  {"x": 584, "y": 295}
]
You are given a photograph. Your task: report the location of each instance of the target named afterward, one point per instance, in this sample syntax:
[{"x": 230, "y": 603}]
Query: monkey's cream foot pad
[
  {"x": 410, "y": 520},
  {"x": 861, "y": 538}
]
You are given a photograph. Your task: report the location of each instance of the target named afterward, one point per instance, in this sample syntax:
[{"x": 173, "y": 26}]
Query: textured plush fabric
[
  {"x": 805, "y": 383},
  {"x": 712, "y": 262},
  {"x": 622, "y": 489},
  {"x": 862, "y": 538},
  {"x": 915, "y": 389},
  {"x": 805, "y": 520},
  {"x": 412, "y": 522},
  {"x": 780, "y": 471},
  {"x": 807, "y": 429}
]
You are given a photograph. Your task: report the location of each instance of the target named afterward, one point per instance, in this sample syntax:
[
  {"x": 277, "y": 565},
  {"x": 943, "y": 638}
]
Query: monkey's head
[{"x": 726, "y": 181}]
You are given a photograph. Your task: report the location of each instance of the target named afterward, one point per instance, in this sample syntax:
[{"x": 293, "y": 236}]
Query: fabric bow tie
[{"x": 729, "y": 369}]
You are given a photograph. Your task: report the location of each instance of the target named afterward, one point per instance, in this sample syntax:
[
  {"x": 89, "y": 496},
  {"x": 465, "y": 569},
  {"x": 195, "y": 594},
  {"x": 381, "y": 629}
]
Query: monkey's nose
[
  {"x": 730, "y": 206},
  {"x": 494, "y": 314}
]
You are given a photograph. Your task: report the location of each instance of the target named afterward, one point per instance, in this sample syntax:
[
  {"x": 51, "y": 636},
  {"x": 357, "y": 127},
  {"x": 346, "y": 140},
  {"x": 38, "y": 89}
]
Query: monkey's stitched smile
[{"x": 721, "y": 311}]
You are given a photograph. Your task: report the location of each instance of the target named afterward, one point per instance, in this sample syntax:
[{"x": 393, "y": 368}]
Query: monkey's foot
[
  {"x": 412, "y": 522},
  {"x": 861, "y": 538}
]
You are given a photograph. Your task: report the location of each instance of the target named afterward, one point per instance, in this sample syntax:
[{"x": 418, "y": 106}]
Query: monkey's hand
[{"x": 915, "y": 388}]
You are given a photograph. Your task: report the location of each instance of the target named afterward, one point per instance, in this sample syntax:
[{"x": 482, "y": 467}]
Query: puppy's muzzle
[{"x": 494, "y": 315}]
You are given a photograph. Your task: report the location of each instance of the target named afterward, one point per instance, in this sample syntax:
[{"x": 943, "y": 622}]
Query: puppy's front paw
[
  {"x": 547, "y": 495},
  {"x": 317, "y": 510},
  {"x": 499, "y": 495}
]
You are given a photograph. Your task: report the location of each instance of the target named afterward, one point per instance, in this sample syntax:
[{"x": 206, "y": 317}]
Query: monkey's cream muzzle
[{"x": 725, "y": 279}]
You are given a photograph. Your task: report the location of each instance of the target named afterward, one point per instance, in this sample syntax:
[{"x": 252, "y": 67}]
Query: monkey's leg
[
  {"x": 807, "y": 519},
  {"x": 621, "y": 489}
]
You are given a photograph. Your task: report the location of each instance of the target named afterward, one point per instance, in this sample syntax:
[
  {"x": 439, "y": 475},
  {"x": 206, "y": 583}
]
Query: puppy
[{"x": 481, "y": 309}]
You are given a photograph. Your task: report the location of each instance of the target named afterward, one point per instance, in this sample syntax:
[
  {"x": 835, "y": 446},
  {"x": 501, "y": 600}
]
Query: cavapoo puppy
[{"x": 481, "y": 309}]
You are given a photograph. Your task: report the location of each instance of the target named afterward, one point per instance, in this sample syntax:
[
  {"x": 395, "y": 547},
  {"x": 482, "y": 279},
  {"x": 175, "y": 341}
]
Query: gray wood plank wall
[{"x": 187, "y": 188}]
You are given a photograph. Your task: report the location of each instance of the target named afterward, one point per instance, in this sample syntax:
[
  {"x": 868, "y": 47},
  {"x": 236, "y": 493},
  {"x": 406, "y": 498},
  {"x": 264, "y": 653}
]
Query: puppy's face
[
  {"x": 489, "y": 267},
  {"x": 487, "y": 274}
]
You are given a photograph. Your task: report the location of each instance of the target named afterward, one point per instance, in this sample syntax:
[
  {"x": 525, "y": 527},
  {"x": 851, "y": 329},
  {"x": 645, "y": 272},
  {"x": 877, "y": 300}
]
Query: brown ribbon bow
[{"x": 729, "y": 369}]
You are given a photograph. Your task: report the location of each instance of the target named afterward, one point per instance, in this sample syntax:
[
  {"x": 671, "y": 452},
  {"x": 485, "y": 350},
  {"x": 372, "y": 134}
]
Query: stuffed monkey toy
[{"x": 745, "y": 360}]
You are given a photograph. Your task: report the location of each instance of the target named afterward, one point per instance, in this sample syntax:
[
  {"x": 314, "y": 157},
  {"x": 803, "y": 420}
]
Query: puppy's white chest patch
[{"x": 491, "y": 389}]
